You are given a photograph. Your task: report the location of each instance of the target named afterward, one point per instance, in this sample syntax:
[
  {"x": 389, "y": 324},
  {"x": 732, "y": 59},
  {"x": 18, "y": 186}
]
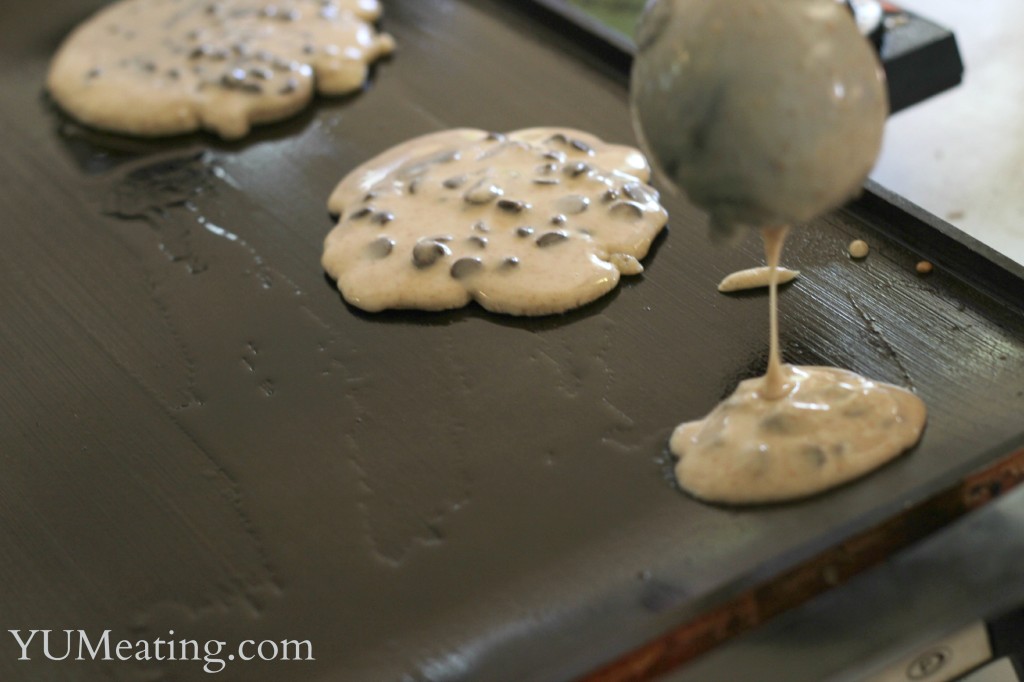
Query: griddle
[{"x": 198, "y": 435}]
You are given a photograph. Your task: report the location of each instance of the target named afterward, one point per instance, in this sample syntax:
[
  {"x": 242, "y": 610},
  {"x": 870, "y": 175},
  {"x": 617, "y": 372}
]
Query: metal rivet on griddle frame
[
  {"x": 626, "y": 209},
  {"x": 464, "y": 267},
  {"x": 380, "y": 247},
  {"x": 551, "y": 238},
  {"x": 428, "y": 252},
  {"x": 524, "y": 231}
]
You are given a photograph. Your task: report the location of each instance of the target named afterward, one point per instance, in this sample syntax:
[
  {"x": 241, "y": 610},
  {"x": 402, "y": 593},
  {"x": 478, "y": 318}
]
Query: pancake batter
[
  {"x": 534, "y": 222},
  {"x": 163, "y": 67},
  {"x": 755, "y": 278},
  {"x": 769, "y": 113},
  {"x": 796, "y": 431}
]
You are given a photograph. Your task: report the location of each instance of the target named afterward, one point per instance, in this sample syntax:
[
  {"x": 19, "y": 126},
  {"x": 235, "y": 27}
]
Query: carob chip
[
  {"x": 551, "y": 238},
  {"x": 581, "y": 146},
  {"x": 571, "y": 142},
  {"x": 464, "y": 267},
  {"x": 512, "y": 206},
  {"x": 572, "y": 204},
  {"x": 574, "y": 170},
  {"x": 629, "y": 210},
  {"x": 380, "y": 248},
  {"x": 455, "y": 182},
  {"x": 483, "y": 192},
  {"x": 639, "y": 193},
  {"x": 426, "y": 253}
]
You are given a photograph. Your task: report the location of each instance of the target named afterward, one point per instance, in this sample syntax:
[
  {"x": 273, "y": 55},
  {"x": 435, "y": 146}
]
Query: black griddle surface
[{"x": 198, "y": 435}]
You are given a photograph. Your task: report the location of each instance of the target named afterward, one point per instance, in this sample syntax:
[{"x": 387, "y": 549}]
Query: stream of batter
[{"x": 797, "y": 430}]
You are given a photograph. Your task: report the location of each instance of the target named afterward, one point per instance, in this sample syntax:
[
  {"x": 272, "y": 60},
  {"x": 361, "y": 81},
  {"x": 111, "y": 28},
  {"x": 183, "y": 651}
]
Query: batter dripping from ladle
[
  {"x": 795, "y": 431},
  {"x": 774, "y": 378},
  {"x": 770, "y": 112}
]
